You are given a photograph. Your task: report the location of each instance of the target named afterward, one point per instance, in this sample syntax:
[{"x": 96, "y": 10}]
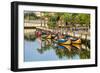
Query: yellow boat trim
[
  {"x": 77, "y": 46},
  {"x": 66, "y": 42},
  {"x": 77, "y": 41},
  {"x": 49, "y": 36}
]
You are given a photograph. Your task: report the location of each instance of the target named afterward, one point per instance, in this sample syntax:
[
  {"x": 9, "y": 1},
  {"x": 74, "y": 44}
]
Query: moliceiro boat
[
  {"x": 64, "y": 42},
  {"x": 69, "y": 41},
  {"x": 67, "y": 47},
  {"x": 49, "y": 36},
  {"x": 78, "y": 41},
  {"x": 78, "y": 46}
]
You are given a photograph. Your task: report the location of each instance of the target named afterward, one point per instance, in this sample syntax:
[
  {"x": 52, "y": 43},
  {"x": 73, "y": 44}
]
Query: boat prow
[
  {"x": 78, "y": 46},
  {"x": 78, "y": 41},
  {"x": 65, "y": 42},
  {"x": 49, "y": 36},
  {"x": 67, "y": 47}
]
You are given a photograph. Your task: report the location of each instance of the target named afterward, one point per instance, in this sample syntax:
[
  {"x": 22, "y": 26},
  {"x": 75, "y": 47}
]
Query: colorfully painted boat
[
  {"x": 78, "y": 46},
  {"x": 49, "y": 36},
  {"x": 60, "y": 47},
  {"x": 78, "y": 41},
  {"x": 67, "y": 47},
  {"x": 64, "y": 42}
]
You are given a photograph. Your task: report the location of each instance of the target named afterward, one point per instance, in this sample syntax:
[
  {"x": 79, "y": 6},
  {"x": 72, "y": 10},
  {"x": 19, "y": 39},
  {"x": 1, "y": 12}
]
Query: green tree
[
  {"x": 84, "y": 19},
  {"x": 30, "y": 16}
]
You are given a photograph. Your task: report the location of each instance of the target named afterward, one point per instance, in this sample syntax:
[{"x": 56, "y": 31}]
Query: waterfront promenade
[{"x": 32, "y": 26}]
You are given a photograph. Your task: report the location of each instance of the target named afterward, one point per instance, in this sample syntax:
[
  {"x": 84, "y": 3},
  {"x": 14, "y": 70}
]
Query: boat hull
[
  {"x": 78, "y": 41},
  {"x": 64, "y": 42}
]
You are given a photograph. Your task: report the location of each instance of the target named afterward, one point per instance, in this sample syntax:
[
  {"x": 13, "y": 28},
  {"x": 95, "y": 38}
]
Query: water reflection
[
  {"x": 69, "y": 51},
  {"x": 43, "y": 49}
]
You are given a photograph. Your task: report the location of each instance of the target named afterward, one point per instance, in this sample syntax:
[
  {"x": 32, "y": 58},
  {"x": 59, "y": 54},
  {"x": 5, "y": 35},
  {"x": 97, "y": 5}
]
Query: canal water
[{"x": 46, "y": 50}]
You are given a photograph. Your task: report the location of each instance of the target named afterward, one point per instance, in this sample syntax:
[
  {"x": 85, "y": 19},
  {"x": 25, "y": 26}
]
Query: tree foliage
[
  {"x": 30, "y": 16},
  {"x": 82, "y": 19}
]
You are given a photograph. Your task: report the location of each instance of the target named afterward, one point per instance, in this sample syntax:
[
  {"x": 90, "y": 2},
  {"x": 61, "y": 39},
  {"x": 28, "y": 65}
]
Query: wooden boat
[
  {"x": 67, "y": 47},
  {"x": 64, "y": 42},
  {"x": 48, "y": 42},
  {"x": 78, "y": 46},
  {"x": 49, "y": 36},
  {"x": 60, "y": 47},
  {"x": 78, "y": 41}
]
